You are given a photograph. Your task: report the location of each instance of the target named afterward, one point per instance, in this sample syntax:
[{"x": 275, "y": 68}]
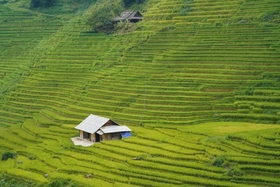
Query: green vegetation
[
  {"x": 7, "y": 181},
  {"x": 219, "y": 161},
  {"x": 127, "y": 3},
  {"x": 102, "y": 16},
  {"x": 196, "y": 81},
  {"x": 8, "y": 155},
  {"x": 104, "y": 11},
  {"x": 45, "y": 3}
]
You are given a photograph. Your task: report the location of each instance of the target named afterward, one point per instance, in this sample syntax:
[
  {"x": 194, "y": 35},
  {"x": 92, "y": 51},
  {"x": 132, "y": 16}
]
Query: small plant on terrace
[
  {"x": 235, "y": 171},
  {"x": 32, "y": 157},
  {"x": 8, "y": 155},
  {"x": 218, "y": 161}
]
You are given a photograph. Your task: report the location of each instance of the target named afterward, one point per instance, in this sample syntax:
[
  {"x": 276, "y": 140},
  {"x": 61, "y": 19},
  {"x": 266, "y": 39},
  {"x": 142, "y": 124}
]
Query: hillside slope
[
  {"x": 187, "y": 62},
  {"x": 209, "y": 63}
]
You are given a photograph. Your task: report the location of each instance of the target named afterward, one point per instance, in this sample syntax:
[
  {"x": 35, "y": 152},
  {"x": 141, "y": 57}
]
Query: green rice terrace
[{"x": 197, "y": 82}]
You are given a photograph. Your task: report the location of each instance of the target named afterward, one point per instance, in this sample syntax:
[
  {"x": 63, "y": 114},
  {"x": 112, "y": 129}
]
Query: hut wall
[
  {"x": 92, "y": 137},
  {"x": 108, "y": 123},
  {"x": 81, "y": 134},
  {"x": 111, "y": 136}
]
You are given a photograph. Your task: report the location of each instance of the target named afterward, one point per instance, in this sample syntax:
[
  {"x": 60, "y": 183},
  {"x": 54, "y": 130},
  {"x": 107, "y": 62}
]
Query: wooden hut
[
  {"x": 131, "y": 16},
  {"x": 95, "y": 129}
]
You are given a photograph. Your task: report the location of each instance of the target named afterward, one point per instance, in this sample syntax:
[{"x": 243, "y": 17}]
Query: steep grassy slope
[
  {"x": 171, "y": 70},
  {"x": 188, "y": 62},
  {"x": 200, "y": 69}
]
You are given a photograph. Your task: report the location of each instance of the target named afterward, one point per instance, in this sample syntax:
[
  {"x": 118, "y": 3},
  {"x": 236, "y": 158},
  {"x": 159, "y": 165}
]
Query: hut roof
[
  {"x": 92, "y": 123},
  {"x": 128, "y": 15},
  {"x": 114, "y": 128}
]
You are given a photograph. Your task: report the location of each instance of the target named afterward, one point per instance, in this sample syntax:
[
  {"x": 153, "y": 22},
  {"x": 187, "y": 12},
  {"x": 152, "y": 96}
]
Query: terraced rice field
[
  {"x": 160, "y": 156},
  {"x": 197, "y": 82}
]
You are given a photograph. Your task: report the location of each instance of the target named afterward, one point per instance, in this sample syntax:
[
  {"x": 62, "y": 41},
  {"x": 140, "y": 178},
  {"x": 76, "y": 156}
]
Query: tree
[
  {"x": 41, "y": 3},
  {"x": 102, "y": 16},
  {"x": 49, "y": 3},
  {"x": 35, "y": 3},
  {"x": 127, "y": 3},
  {"x": 8, "y": 155}
]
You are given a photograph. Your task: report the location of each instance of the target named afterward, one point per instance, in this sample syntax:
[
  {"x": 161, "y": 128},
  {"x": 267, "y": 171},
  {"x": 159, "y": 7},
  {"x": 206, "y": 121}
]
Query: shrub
[
  {"x": 35, "y": 3},
  {"x": 41, "y": 3},
  {"x": 127, "y": 3},
  {"x": 167, "y": 28},
  {"x": 234, "y": 172},
  {"x": 56, "y": 183},
  {"x": 3, "y": 1},
  {"x": 8, "y": 155},
  {"x": 218, "y": 161},
  {"x": 102, "y": 16},
  {"x": 226, "y": 164},
  {"x": 8, "y": 181},
  {"x": 32, "y": 157},
  {"x": 185, "y": 10},
  {"x": 124, "y": 27},
  {"x": 63, "y": 183}
]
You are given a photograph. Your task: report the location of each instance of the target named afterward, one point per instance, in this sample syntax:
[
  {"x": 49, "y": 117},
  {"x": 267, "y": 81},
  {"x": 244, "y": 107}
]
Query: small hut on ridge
[{"x": 131, "y": 16}]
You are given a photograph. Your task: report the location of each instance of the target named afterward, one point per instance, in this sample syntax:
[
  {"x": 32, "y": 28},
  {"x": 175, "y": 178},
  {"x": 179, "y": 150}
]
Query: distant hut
[
  {"x": 95, "y": 129},
  {"x": 131, "y": 16}
]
